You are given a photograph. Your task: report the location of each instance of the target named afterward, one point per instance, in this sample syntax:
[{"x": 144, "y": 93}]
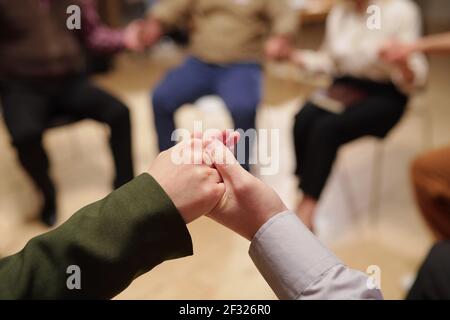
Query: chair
[{"x": 416, "y": 108}]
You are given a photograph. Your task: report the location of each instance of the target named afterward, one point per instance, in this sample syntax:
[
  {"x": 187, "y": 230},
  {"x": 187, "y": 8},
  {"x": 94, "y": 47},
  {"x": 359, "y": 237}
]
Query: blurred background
[{"x": 367, "y": 214}]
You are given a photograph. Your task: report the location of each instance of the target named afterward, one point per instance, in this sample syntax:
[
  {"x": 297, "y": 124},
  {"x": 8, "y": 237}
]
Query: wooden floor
[{"x": 395, "y": 239}]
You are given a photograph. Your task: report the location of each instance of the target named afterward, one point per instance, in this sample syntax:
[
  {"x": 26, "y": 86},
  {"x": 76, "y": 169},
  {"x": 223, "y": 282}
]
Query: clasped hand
[{"x": 202, "y": 177}]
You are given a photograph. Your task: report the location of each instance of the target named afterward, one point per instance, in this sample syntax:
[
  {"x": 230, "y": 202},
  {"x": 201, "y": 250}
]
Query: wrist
[
  {"x": 262, "y": 220},
  {"x": 296, "y": 57},
  {"x": 416, "y": 47},
  {"x": 264, "y": 223}
]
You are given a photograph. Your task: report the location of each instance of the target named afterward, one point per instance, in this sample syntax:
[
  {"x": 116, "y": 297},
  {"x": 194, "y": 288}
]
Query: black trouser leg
[
  {"x": 120, "y": 142},
  {"x": 322, "y": 145},
  {"x": 35, "y": 161},
  {"x": 82, "y": 99},
  {"x": 304, "y": 121},
  {"x": 26, "y": 110}
]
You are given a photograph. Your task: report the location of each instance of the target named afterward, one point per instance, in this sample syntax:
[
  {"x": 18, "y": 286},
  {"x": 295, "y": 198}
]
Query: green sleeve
[{"x": 112, "y": 241}]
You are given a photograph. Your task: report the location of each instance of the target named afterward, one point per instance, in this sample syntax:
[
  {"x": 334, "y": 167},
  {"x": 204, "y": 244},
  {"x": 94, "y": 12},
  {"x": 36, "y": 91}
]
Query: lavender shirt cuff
[{"x": 297, "y": 265}]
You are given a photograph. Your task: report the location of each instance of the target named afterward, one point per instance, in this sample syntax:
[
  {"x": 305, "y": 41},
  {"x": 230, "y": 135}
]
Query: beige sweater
[{"x": 227, "y": 31}]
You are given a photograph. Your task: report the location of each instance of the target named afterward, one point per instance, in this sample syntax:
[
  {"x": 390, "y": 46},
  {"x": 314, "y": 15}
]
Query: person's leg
[
  {"x": 80, "y": 98},
  {"x": 433, "y": 279},
  {"x": 26, "y": 113},
  {"x": 304, "y": 122},
  {"x": 375, "y": 116},
  {"x": 183, "y": 85},
  {"x": 240, "y": 88},
  {"x": 431, "y": 179}
]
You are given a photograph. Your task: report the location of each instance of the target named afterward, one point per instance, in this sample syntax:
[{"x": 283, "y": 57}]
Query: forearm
[
  {"x": 297, "y": 266},
  {"x": 433, "y": 44},
  {"x": 410, "y": 74},
  {"x": 96, "y": 35},
  {"x": 112, "y": 241}
]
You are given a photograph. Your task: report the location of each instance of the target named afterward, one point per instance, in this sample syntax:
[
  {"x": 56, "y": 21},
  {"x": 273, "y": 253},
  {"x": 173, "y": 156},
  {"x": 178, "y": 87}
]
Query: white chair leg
[
  {"x": 377, "y": 184},
  {"x": 349, "y": 195}
]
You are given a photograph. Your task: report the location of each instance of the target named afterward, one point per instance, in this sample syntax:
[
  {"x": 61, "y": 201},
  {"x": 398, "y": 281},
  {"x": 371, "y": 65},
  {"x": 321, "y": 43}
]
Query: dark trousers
[
  {"x": 29, "y": 107},
  {"x": 318, "y": 134},
  {"x": 239, "y": 85},
  {"x": 433, "y": 279}
]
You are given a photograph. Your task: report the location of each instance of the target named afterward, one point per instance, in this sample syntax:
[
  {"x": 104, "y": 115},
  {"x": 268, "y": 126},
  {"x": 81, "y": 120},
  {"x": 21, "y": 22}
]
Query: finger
[
  {"x": 177, "y": 152},
  {"x": 229, "y": 138},
  {"x": 187, "y": 143},
  {"x": 188, "y": 152},
  {"x": 215, "y": 176},
  {"x": 224, "y": 161},
  {"x": 232, "y": 140},
  {"x": 221, "y": 190},
  {"x": 207, "y": 159},
  {"x": 196, "y": 149},
  {"x": 197, "y": 135}
]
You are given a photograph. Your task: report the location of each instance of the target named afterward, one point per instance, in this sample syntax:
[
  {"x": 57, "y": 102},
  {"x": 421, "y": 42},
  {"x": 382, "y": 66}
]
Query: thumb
[{"x": 224, "y": 161}]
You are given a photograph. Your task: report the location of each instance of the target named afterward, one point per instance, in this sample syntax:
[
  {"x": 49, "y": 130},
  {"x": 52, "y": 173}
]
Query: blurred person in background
[
  {"x": 368, "y": 95},
  {"x": 431, "y": 179},
  {"x": 228, "y": 40},
  {"x": 43, "y": 75}
]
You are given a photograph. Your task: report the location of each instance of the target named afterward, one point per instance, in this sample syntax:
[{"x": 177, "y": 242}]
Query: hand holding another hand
[
  {"x": 395, "y": 52},
  {"x": 133, "y": 36},
  {"x": 194, "y": 187},
  {"x": 296, "y": 57},
  {"x": 202, "y": 177},
  {"x": 141, "y": 34},
  {"x": 151, "y": 32},
  {"x": 247, "y": 203},
  {"x": 278, "y": 48}
]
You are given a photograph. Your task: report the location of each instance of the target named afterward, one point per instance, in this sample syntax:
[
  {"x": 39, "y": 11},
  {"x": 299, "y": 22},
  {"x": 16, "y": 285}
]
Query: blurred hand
[
  {"x": 194, "y": 187},
  {"x": 133, "y": 36},
  {"x": 296, "y": 57},
  {"x": 247, "y": 203},
  {"x": 395, "y": 52},
  {"x": 152, "y": 32},
  {"x": 278, "y": 48}
]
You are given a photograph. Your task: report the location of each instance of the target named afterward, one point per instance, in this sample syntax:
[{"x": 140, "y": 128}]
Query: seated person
[
  {"x": 369, "y": 95},
  {"x": 228, "y": 40},
  {"x": 431, "y": 171},
  {"x": 42, "y": 75},
  {"x": 431, "y": 180},
  {"x": 119, "y": 238}
]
